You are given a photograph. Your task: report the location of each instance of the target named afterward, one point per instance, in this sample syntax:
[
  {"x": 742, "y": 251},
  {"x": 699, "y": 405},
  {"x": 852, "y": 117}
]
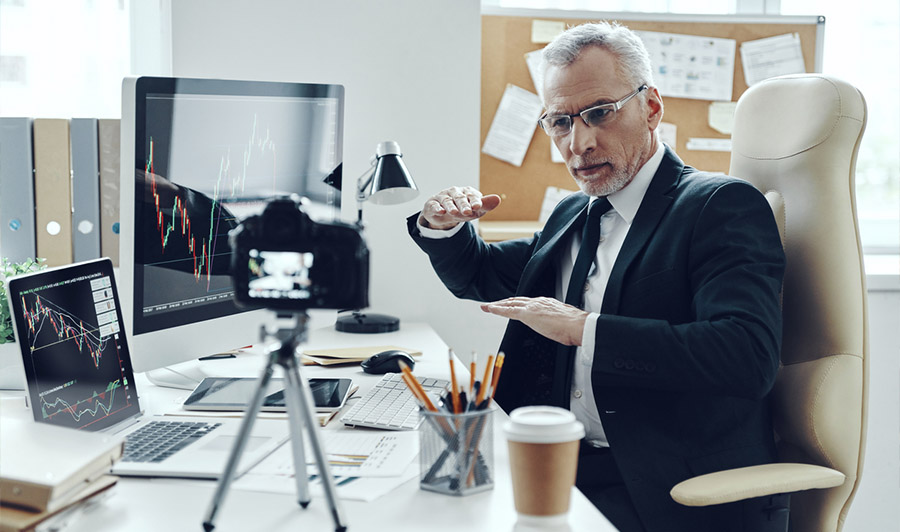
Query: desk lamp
[{"x": 387, "y": 183}]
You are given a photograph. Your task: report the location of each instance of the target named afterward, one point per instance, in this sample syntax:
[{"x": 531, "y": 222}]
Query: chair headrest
[{"x": 787, "y": 115}]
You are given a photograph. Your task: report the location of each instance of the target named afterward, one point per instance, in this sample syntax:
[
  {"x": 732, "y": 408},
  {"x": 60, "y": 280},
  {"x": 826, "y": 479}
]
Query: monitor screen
[{"x": 199, "y": 155}]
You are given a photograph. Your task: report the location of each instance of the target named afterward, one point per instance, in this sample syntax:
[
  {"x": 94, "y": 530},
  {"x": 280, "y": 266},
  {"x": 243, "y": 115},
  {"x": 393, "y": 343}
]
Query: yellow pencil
[
  {"x": 454, "y": 389},
  {"x": 485, "y": 380}
]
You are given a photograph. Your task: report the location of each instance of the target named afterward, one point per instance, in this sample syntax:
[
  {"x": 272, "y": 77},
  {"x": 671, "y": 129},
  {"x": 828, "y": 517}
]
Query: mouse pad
[{"x": 349, "y": 355}]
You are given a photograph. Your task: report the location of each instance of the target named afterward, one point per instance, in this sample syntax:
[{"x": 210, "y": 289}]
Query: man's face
[{"x": 602, "y": 159}]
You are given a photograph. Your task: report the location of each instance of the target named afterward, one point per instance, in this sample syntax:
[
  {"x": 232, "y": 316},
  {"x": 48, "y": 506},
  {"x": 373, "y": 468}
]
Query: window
[
  {"x": 862, "y": 47},
  {"x": 63, "y": 58}
]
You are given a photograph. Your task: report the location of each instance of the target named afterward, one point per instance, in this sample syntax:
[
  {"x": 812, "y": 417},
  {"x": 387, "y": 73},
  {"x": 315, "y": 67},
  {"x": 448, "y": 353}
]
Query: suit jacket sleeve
[{"x": 471, "y": 268}]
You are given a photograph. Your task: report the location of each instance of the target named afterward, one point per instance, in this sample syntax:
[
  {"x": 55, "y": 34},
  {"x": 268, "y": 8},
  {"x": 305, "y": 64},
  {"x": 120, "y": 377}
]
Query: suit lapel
[
  {"x": 656, "y": 201},
  {"x": 556, "y": 232}
]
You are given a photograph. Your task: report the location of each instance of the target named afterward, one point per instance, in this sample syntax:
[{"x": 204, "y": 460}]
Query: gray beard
[{"x": 616, "y": 182}]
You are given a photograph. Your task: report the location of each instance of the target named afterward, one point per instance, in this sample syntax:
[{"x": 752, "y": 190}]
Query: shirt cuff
[
  {"x": 588, "y": 338},
  {"x": 428, "y": 232}
]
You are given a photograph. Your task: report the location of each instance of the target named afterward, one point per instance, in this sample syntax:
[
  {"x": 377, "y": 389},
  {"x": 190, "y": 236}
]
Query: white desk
[{"x": 138, "y": 505}]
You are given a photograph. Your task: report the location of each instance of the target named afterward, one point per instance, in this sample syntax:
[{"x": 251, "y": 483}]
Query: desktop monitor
[{"x": 197, "y": 156}]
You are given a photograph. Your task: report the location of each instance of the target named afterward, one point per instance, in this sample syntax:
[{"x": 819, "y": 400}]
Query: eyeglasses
[{"x": 561, "y": 125}]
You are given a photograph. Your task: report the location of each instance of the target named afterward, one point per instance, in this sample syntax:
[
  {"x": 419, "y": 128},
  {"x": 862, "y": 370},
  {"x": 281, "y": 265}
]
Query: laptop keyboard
[
  {"x": 389, "y": 404},
  {"x": 158, "y": 440}
]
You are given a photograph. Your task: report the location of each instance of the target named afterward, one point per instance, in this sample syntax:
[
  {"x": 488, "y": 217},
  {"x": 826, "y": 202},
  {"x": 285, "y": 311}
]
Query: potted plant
[{"x": 11, "y": 374}]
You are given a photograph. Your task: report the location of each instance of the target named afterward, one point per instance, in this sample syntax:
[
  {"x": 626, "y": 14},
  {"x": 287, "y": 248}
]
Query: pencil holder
[{"x": 456, "y": 452}]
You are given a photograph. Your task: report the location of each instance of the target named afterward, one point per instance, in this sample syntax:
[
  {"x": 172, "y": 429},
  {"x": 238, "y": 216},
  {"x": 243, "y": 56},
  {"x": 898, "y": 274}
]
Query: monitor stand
[{"x": 184, "y": 375}]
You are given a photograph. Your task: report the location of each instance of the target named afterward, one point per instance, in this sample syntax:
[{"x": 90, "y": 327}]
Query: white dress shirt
[{"x": 613, "y": 230}]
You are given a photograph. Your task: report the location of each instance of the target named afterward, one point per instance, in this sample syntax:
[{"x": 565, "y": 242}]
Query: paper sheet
[
  {"x": 721, "y": 116},
  {"x": 513, "y": 126},
  {"x": 535, "y": 62},
  {"x": 772, "y": 56},
  {"x": 552, "y": 196},
  {"x": 687, "y": 66},
  {"x": 544, "y": 31},
  {"x": 555, "y": 156},
  {"x": 668, "y": 133},
  {"x": 349, "y": 488},
  {"x": 705, "y": 144},
  {"x": 350, "y": 453}
]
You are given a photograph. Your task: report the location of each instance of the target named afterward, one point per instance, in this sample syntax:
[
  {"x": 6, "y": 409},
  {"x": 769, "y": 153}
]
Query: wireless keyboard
[{"x": 389, "y": 404}]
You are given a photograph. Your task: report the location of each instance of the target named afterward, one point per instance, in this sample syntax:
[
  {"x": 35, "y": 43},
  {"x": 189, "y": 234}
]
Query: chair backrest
[{"x": 796, "y": 138}]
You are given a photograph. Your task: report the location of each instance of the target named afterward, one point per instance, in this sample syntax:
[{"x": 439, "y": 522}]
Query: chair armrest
[{"x": 756, "y": 481}]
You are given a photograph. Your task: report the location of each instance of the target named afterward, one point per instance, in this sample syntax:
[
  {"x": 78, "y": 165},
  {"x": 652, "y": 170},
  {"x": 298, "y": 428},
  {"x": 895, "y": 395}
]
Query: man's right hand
[{"x": 454, "y": 205}]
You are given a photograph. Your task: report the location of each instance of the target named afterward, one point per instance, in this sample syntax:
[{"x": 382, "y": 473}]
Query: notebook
[{"x": 68, "y": 324}]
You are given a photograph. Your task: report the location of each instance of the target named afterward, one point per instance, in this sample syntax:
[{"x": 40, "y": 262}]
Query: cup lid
[{"x": 543, "y": 424}]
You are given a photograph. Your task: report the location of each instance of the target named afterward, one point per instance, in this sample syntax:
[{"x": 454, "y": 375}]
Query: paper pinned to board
[
  {"x": 772, "y": 56},
  {"x": 707, "y": 144},
  {"x": 668, "y": 133},
  {"x": 721, "y": 116},
  {"x": 513, "y": 126},
  {"x": 544, "y": 31},
  {"x": 689, "y": 66},
  {"x": 552, "y": 196},
  {"x": 535, "y": 62},
  {"x": 555, "y": 156}
]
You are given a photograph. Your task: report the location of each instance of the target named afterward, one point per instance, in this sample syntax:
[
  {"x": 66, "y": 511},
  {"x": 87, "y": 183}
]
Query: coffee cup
[{"x": 543, "y": 452}]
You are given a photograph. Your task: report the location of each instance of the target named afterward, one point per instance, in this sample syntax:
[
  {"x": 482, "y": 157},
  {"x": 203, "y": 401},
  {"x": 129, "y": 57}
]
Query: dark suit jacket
[{"x": 688, "y": 339}]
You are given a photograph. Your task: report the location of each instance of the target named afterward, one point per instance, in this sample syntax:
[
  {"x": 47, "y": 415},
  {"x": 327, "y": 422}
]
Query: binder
[
  {"x": 108, "y": 138},
  {"x": 43, "y": 466},
  {"x": 17, "y": 241},
  {"x": 85, "y": 189},
  {"x": 52, "y": 190}
]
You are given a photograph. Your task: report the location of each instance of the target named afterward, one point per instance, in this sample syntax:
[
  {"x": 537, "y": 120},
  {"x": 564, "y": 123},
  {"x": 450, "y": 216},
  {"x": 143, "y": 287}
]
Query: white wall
[{"x": 412, "y": 71}]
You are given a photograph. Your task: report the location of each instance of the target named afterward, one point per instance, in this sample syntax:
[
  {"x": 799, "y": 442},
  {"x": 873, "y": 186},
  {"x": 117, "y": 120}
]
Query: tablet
[{"x": 224, "y": 393}]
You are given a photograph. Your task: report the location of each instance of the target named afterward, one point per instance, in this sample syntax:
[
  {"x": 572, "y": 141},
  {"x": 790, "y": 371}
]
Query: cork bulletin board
[{"x": 506, "y": 38}]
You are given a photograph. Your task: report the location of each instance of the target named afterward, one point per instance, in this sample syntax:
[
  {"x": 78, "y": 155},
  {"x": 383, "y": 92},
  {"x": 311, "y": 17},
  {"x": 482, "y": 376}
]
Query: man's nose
[{"x": 583, "y": 138}]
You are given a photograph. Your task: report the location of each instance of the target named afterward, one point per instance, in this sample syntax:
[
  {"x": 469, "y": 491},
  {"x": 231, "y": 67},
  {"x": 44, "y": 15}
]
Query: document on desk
[{"x": 365, "y": 464}]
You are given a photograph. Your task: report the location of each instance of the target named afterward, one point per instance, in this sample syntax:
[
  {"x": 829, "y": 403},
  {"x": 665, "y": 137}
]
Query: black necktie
[{"x": 590, "y": 238}]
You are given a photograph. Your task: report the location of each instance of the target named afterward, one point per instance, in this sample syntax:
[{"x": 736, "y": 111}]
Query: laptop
[{"x": 68, "y": 324}]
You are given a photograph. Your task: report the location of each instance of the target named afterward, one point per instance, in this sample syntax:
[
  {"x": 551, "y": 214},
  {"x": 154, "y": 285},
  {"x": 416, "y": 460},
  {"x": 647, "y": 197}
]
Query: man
[{"x": 677, "y": 329}]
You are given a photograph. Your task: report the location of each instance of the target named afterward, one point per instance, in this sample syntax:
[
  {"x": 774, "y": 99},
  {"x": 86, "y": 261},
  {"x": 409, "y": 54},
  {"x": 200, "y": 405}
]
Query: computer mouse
[{"x": 387, "y": 362}]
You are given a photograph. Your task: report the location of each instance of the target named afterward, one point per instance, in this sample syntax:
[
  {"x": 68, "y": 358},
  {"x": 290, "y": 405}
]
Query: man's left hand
[{"x": 547, "y": 316}]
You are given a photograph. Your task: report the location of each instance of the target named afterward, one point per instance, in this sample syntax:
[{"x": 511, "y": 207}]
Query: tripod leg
[
  {"x": 303, "y": 400},
  {"x": 238, "y": 450},
  {"x": 294, "y": 403}
]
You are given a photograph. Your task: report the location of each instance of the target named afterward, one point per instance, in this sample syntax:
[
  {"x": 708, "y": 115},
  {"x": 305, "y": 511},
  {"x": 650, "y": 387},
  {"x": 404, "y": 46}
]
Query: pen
[{"x": 472, "y": 367}]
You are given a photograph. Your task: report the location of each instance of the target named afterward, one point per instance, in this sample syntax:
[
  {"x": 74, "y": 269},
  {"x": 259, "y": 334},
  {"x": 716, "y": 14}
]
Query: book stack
[{"x": 46, "y": 470}]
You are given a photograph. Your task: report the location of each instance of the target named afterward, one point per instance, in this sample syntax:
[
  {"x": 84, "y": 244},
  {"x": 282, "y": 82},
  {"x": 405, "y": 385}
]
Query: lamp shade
[{"x": 391, "y": 182}]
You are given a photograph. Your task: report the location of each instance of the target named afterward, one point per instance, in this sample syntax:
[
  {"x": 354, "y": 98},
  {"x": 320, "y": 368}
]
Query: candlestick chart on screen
[{"x": 74, "y": 340}]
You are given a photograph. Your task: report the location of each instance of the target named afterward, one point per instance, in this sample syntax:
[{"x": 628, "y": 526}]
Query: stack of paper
[
  {"x": 45, "y": 469},
  {"x": 348, "y": 355}
]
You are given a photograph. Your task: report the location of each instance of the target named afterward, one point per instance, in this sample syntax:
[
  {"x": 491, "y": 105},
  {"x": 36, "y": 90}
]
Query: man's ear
[{"x": 654, "y": 108}]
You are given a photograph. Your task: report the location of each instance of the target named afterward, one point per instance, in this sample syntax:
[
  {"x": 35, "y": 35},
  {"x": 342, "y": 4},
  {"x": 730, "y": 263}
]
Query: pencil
[
  {"x": 484, "y": 381},
  {"x": 497, "y": 367},
  {"x": 416, "y": 387},
  {"x": 454, "y": 389}
]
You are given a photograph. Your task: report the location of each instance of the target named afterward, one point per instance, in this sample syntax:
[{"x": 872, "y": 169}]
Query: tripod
[{"x": 299, "y": 402}]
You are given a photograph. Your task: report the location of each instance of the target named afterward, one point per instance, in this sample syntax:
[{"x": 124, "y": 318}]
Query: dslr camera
[{"x": 283, "y": 260}]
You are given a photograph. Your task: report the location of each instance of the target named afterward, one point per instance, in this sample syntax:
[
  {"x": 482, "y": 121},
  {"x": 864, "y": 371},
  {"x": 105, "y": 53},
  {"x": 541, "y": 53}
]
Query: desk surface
[{"x": 138, "y": 505}]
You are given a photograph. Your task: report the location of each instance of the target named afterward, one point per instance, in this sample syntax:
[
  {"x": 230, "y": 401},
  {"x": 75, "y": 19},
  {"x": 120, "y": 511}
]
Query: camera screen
[{"x": 279, "y": 274}]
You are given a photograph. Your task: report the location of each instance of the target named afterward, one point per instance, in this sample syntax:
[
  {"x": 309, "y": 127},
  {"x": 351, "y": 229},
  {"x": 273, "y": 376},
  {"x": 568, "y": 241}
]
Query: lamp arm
[{"x": 362, "y": 185}]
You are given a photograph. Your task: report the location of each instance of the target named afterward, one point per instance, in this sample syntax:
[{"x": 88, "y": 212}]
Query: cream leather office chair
[{"x": 796, "y": 138}]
